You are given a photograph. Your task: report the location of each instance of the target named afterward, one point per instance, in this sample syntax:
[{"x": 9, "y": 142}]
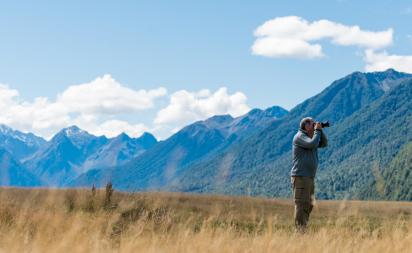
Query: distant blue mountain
[
  {"x": 118, "y": 151},
  {"x": 253, "y": 120},
  {"x": 12, "y": 173},
  {"x": 19, "y": 144},
  {"x": 73, "y": 151},
  {"x": 62, "y": 157},
  {"x": 166, "y": 160}
]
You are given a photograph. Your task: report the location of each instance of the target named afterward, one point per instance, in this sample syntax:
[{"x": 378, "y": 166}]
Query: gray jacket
[{"x": 305, "y": 153}]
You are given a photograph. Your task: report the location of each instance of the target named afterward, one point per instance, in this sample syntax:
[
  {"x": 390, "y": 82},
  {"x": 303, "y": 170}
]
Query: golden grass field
[{"x": 41, "y": 220}]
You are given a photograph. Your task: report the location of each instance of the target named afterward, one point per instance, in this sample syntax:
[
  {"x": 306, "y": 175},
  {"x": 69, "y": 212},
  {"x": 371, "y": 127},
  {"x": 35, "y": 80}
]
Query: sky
[{"x": 156, "y": 66}]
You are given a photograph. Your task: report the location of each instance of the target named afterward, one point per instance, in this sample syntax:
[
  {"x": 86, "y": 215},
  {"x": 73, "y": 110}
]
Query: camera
[{"x": 324, "y": 124}]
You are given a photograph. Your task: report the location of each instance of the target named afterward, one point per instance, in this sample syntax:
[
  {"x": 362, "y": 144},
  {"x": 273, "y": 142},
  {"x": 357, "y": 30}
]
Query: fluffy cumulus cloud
[
  {"x": 186, "y": 107},
  {"x": 112, "y": 128},
  {"x": 34, "y": 116},
  {"x": 86, "y": 105},
  {"x": 108, "y": 97},
  {"x": 379, "y": 61},
  {"x": 98, "y": 125},
  {"x": 99, "y": 107},
  {"x": 296, "y": 37}
]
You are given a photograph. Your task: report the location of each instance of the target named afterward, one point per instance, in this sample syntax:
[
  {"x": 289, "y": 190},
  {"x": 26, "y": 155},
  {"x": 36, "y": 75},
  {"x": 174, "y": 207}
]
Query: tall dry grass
[{"x": 40, "y": 220}]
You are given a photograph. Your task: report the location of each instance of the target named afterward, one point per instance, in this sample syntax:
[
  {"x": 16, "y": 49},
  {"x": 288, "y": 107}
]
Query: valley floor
[{"x": 51, "y": 220}]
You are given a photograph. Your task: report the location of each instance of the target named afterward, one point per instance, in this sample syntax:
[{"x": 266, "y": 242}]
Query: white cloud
[
  {"x": 186, "y": 107},
  {"x": 39, "y": 116},
  {"x": 106, "y": 96},
  {"x": 98, "y": 107},
  {"x": 92, "y": 106},
  {"x": 286, "y": 48},
  {"x": 112, "y": 128},
  {"x": 379, "y": 61},
  {"x": 293, "y": 37}
]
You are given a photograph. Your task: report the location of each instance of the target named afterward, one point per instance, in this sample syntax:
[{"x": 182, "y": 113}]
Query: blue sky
[{"x": 175, "y": 50}]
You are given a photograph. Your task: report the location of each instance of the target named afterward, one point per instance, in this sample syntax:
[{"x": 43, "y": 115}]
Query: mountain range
[
  {"x": 68, "y": 154},
  {"x": 161, "y": 164},
  {"x": 368, "y": 156},
  {"x": 359, "y": 107}
]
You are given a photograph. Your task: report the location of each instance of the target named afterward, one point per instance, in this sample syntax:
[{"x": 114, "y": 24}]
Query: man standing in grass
[{"x": 306, "y": 142}]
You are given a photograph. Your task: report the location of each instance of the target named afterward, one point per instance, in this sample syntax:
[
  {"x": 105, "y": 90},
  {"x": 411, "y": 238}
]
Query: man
[{"x": 306, "y": 142}]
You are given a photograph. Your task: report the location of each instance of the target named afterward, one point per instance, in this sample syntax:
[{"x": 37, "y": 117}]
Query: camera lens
[{"x": 325, "y": 124}]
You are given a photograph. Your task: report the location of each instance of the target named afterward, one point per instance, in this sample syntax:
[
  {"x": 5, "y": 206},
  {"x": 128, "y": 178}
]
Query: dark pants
[{"x": 303, "y": 196}]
